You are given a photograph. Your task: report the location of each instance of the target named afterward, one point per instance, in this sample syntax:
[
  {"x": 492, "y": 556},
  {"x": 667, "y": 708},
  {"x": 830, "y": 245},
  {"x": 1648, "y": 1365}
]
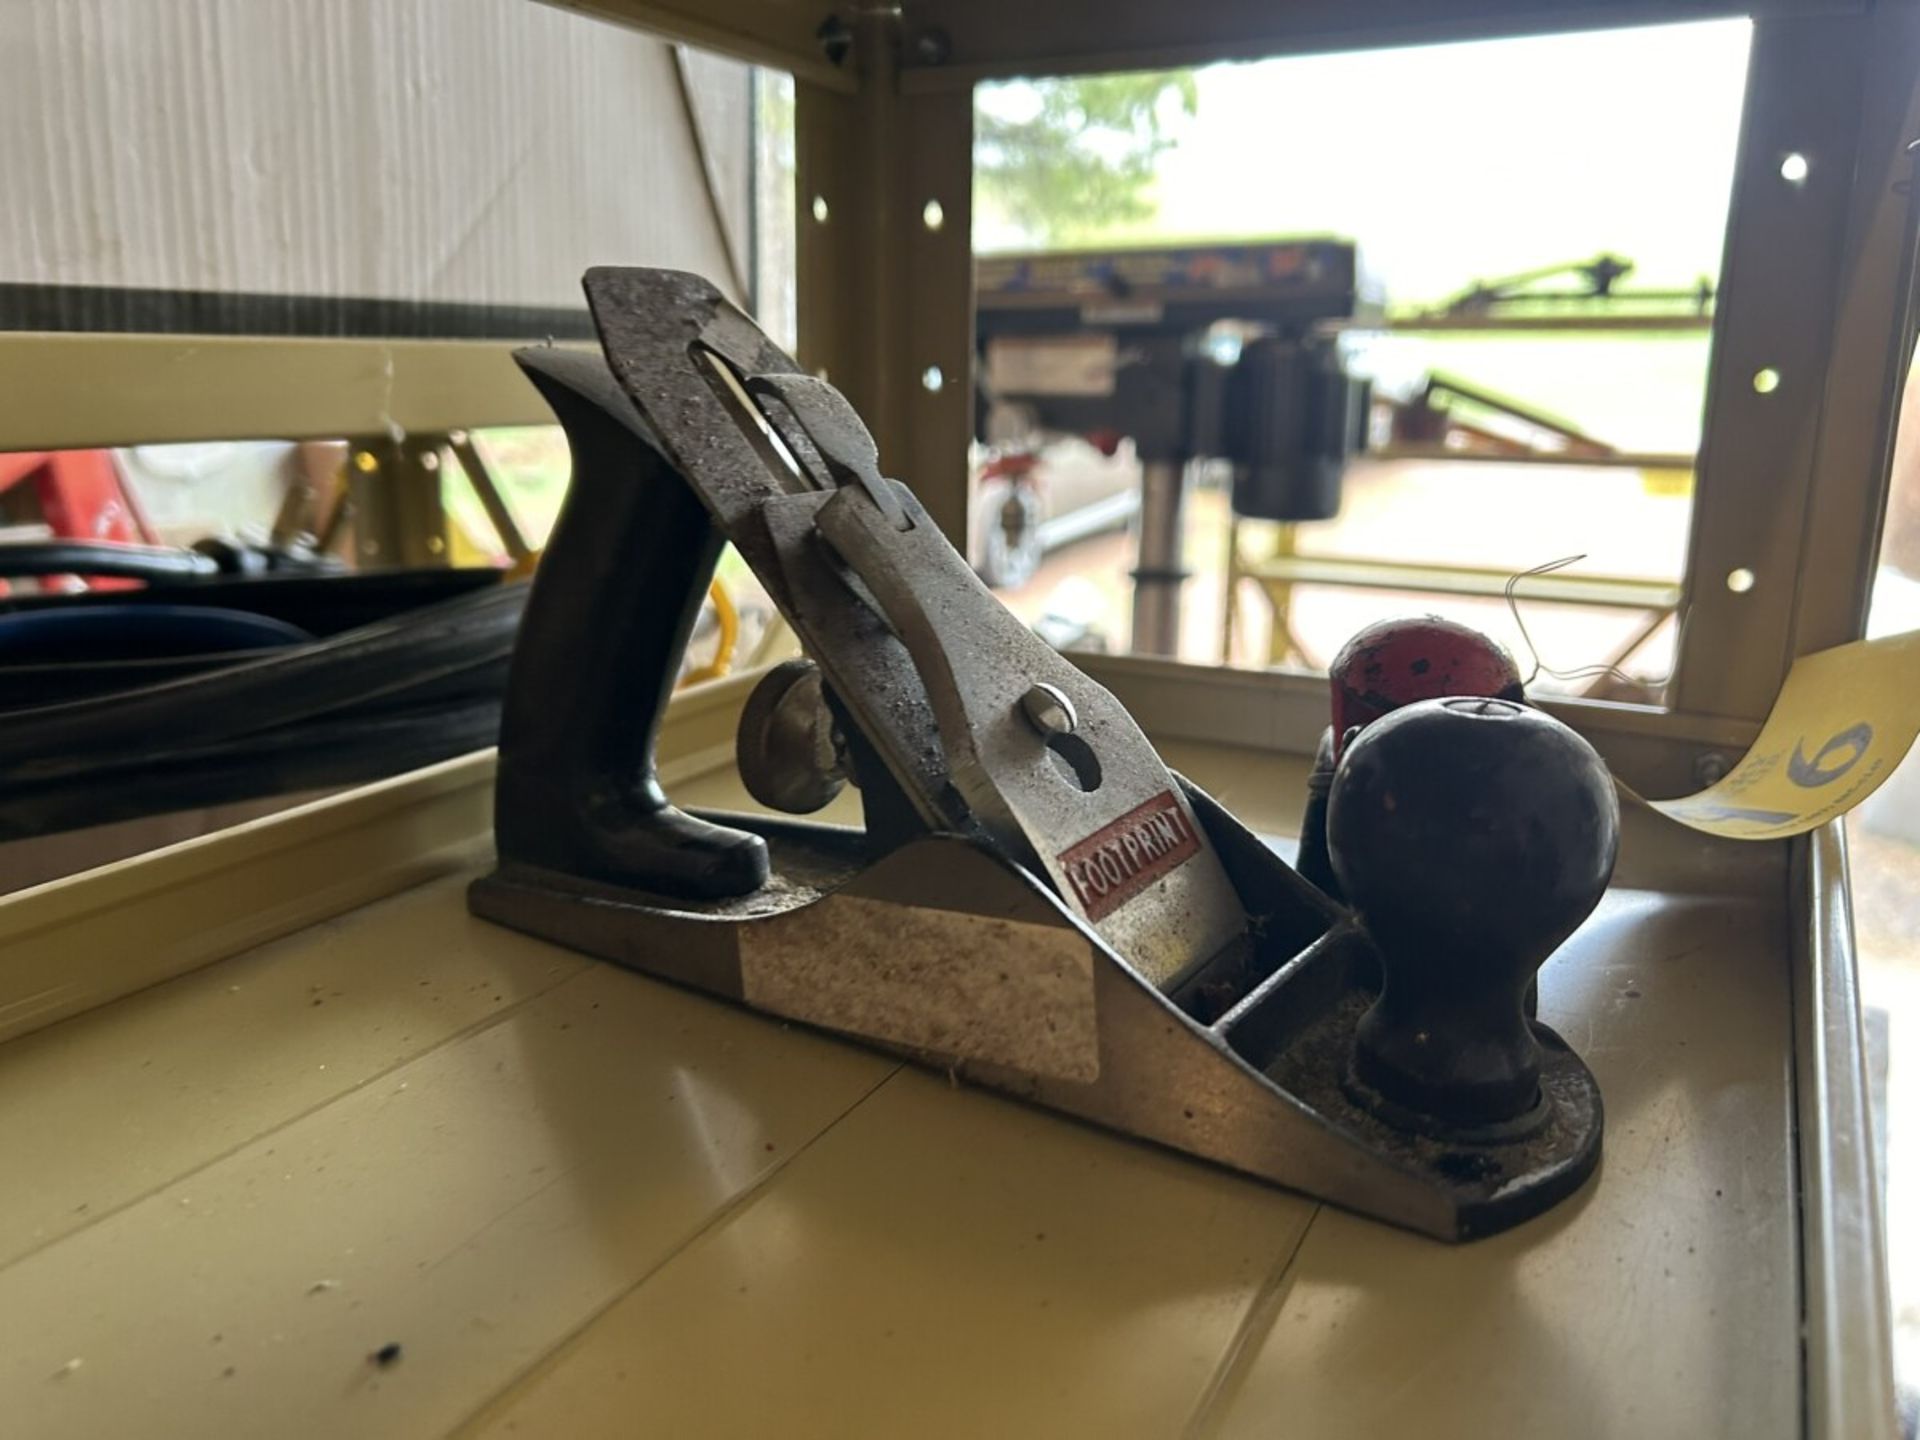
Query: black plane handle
[{"x": 619, "y": 587}]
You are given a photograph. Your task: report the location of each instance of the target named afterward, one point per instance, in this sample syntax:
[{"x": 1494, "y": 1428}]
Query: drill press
[{"x": 1194, "y": 352}]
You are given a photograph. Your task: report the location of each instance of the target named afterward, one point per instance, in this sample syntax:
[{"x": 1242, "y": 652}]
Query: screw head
[
  {"x": 1711, "y": 768},
  {"x": 1049, "y": 711},
  {"x": 932, "y": 46},
  {"x": 791, "y": 755}
]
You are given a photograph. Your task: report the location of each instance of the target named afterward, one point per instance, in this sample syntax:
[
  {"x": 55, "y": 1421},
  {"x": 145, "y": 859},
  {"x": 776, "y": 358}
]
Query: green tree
[{"x": 1065, "y": 156}]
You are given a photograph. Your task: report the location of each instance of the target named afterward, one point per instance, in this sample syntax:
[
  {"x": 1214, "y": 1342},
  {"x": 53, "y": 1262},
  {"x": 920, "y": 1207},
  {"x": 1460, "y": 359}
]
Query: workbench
[{"x": 299, "y": 1147}]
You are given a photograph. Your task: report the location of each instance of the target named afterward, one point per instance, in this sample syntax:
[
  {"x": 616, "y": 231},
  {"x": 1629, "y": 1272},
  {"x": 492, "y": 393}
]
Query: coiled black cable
[{"x": 385, "y": 697}]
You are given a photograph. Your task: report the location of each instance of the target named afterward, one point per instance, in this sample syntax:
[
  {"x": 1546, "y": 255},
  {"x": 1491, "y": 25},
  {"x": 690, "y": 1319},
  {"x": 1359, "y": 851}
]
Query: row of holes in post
[
  {"x": 1794, "y": 169},
  {"x": 933, "y": 215}
]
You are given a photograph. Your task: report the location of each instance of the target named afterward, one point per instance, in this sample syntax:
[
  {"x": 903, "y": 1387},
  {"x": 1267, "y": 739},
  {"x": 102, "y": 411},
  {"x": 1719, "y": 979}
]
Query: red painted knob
[{"x": 1397, "y": 662}]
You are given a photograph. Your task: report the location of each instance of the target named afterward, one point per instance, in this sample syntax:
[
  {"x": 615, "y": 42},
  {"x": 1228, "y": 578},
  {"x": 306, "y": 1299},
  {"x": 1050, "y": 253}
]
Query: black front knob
[{"x": 1472, "y": 836}]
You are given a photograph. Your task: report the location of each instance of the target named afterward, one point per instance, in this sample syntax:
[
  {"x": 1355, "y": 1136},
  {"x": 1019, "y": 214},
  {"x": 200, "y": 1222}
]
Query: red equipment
[{"x": 80, "y": 496}]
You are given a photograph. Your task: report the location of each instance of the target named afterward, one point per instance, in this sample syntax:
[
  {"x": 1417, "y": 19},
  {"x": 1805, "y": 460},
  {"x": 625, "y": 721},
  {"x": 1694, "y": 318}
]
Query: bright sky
[{"x": 1461, "y": 162}]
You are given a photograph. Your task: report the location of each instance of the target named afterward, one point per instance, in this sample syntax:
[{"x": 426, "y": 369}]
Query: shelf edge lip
[
  {"x": 1848, "y": 1348},
  {"x": 82, "y": 941}
]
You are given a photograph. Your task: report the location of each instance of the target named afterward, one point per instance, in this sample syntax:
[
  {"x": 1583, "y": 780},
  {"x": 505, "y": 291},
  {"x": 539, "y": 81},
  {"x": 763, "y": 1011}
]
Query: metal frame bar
[
  {"x": 1784, "y": 270},
  {"x": 1615, "y": 460},
  {"x": 960, "y": 42},
  {"x": 506, "y": 525},
  {"x": 1612, "y": 592},
  {"x": 68, "y": 391},
  {"x": 785, "y": 36},
  {"x": 1873, "y": 336},
  {"x": 1534, "y": 324},
  {"x": 1657, "y": 752},
  {"x": 1278, "y": 578}
]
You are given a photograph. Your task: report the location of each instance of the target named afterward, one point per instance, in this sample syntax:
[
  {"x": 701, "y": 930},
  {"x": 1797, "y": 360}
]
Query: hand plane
[{"x": 1036, "y": 903}]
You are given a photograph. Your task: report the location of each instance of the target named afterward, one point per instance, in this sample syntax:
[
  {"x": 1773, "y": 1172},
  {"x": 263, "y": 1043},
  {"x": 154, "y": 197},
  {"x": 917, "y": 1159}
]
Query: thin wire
[{"x": 1584, "y": 672}]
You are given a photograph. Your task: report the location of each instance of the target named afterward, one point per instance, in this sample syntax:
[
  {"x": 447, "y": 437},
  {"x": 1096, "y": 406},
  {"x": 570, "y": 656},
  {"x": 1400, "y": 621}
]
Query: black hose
[
  {"x": 322, "y": 605},
  {"x": 424, "y": 652},
  {"x": 320, "y": 755},
  {"x": 155, "y": 564}
]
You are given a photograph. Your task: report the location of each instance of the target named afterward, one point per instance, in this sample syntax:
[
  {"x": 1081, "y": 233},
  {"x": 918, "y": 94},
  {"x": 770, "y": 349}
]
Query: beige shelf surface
[{"x": 586, "y": 1203}]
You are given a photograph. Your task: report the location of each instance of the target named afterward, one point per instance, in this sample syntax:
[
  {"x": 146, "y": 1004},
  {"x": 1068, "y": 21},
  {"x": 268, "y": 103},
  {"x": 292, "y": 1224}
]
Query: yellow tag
[
  {"x": 1844, "y": 719},
  {"x": 1674, "y": 480}
]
